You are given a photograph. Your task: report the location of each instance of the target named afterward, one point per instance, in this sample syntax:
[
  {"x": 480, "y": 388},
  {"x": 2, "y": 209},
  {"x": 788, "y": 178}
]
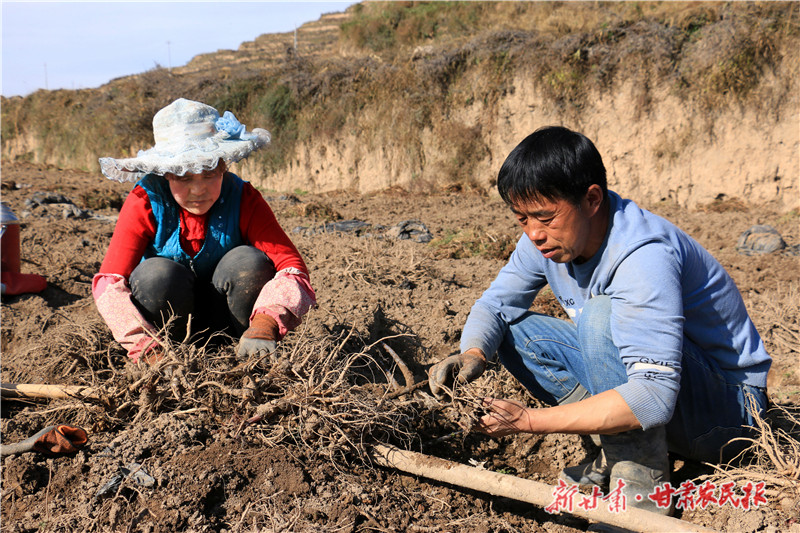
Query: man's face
[
  {"x": 560, "y": 230},
  {"x": 196, "y": 193}
]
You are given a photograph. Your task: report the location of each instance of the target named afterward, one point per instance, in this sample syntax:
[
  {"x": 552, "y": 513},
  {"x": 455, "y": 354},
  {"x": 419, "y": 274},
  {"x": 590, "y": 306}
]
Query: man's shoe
[
  {"x": 639, "y": 459},
  {"x": 594, "y": 473}
]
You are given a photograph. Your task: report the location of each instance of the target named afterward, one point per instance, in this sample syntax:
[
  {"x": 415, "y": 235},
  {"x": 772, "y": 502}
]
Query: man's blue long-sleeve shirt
[{"x": 664, "y": 287}]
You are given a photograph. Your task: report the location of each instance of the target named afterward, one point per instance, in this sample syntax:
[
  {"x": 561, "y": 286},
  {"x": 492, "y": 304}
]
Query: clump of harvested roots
[
  {"x": 332, "y": 394},
  {"x": 463, "y": 404},
  {"x": 324, "y": 395},
  {"x": 774, "y": 454}
]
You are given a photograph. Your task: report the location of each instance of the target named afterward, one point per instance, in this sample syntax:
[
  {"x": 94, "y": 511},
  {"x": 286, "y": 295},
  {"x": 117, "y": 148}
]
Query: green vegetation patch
[{"x": 464, "y": 243}]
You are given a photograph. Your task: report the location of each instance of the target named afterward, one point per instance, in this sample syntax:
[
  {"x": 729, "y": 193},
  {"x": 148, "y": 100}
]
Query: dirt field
[{"x": 327, "y": 394}]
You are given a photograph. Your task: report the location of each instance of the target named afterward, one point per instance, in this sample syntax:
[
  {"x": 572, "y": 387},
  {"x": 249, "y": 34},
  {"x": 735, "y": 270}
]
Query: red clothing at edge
[{"x": 136, "y": 229}]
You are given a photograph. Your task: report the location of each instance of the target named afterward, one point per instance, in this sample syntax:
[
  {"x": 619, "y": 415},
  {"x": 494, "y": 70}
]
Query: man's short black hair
[{"x": 551, "y": 163}]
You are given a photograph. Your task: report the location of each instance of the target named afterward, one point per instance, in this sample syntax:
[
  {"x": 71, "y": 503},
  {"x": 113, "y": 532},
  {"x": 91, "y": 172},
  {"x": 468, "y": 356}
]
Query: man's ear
[{"x": 593, "y": 199}]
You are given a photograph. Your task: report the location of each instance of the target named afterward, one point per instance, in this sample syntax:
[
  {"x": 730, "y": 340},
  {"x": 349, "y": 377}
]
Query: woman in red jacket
[{"x": 195, "y": 239}]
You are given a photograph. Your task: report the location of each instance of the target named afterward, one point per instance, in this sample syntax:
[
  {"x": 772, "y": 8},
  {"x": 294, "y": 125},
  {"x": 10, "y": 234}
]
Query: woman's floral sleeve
[
  {"x": 112, "y": 295},
  {"x": 286, "y": 298}
]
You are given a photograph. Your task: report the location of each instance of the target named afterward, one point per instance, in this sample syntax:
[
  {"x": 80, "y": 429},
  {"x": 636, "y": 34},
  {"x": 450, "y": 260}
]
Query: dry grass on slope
[{"x": 409, "y": 65}]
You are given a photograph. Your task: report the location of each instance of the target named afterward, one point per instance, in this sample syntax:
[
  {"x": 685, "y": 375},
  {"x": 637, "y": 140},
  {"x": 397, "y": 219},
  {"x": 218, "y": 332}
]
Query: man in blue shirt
[{"x": 660, "y": 353}]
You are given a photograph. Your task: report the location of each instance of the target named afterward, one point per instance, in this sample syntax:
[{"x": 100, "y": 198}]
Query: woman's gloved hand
[
  {"x": 260, "y": 338},
  {"x": 465, "y": 367}
]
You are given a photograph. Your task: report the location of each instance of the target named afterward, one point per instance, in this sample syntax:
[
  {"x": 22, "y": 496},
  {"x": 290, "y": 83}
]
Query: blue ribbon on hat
[{"x": 228, "y": 123}]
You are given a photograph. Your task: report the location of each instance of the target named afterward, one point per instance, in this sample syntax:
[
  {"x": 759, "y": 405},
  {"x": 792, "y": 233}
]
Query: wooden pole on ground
[
  {"x": 52, "y": 392},
  {"x": 507, "y": 486}
]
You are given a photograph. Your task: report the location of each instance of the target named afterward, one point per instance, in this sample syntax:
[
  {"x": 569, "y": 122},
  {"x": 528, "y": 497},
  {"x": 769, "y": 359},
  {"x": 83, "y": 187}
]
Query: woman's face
[{"x": 196, "y": 193}]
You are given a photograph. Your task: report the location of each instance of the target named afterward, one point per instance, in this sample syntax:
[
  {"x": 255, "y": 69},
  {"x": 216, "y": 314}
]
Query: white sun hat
[{"x": 190, "y": 137}]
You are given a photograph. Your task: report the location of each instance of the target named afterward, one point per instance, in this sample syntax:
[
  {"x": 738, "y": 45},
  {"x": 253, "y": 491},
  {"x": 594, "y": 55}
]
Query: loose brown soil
[{"x": 323, "y": 399}]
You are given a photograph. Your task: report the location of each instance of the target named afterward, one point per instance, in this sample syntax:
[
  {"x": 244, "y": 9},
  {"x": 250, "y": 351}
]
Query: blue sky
[{"x": 79, "y": 45}]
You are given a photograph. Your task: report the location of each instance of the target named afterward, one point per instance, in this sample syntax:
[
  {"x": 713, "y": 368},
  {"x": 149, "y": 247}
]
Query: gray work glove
[
  {"x": 261, "y": 338},
  {"x": 465, "y": 367}
]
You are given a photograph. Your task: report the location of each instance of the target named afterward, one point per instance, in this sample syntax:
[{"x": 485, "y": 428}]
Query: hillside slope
[{"x": 687, "y": 102}]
